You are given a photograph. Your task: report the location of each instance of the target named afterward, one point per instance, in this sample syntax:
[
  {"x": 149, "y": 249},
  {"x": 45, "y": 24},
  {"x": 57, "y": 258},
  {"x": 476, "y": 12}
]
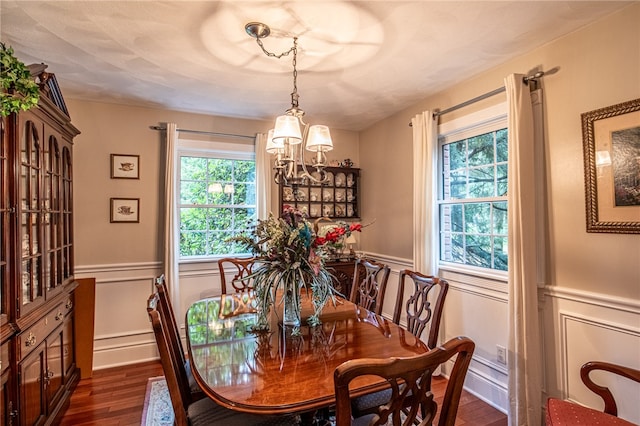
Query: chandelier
[{"x": 291, "y": 136}]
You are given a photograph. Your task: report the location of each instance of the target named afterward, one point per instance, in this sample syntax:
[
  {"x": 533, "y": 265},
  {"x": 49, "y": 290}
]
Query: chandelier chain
[{"x": 294, "y": 50}]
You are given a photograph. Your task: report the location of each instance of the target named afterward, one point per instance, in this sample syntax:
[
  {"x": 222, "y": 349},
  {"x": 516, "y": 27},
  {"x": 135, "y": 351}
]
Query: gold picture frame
[
  {"x": 125, "y": 210},
  {"x": 611, "y": 145},
  {"x": 125, "y": 166}
]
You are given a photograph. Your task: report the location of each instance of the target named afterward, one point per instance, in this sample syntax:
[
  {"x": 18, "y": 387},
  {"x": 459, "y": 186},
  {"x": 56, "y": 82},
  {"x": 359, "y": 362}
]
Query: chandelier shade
[
  {"x": 272, "y": 146},
  {"x": 319, "y": 139},
  {"x": 287, "y": 127}
]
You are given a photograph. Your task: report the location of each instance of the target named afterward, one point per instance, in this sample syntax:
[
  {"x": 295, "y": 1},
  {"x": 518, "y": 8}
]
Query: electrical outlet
[{"x": 502, "y": 354}]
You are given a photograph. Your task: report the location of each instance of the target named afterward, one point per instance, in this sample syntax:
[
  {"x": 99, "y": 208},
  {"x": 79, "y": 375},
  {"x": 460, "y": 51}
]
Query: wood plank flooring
[{"x": 115, "y": 396}]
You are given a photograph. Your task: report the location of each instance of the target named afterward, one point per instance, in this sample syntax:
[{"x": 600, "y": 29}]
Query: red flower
[{"x": 355, "y": 227}]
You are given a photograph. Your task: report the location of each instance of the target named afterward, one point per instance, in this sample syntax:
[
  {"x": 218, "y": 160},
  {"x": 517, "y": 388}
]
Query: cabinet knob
[
  {"x": 59, "y": 316},
  {"x": 12, "y": 413},
  {"x": 31, "y": 340},
  {"x": 69, "y": 304}
]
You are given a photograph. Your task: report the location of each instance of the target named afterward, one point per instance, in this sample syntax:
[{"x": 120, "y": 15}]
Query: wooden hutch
[
  {"x": 337, "y": 199},
  {"x": 37, "y": 348}
]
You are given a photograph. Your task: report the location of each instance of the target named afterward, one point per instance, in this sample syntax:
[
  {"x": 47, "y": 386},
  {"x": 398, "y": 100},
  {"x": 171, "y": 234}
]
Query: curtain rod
[
  {"x": 204, "y": 132},
  {"x": 526, "y": 79}
]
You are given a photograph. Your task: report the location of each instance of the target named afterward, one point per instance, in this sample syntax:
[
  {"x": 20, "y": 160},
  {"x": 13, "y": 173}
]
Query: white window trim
[
  {"x": 211, "y": 149},
  {"x": 479, "y": 122}
]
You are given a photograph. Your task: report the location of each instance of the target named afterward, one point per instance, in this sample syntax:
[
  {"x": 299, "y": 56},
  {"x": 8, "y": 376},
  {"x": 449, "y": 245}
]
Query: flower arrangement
[{"x": 291, "y": 255}]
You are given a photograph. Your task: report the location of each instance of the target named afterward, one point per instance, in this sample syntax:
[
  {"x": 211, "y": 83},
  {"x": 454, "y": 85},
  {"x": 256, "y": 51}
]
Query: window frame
[
  {"x": 474, "y": 124},
  {"x": 215, "y": 150}
]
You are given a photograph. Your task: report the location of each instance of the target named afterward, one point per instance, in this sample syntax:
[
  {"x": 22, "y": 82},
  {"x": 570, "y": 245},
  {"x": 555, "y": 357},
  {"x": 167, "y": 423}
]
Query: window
[
  {"x": 217, "y": 201},
  {"x": 473, "y": 196}
]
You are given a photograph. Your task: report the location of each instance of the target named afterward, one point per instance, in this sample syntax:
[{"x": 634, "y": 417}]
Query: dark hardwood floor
[{"x": 115, "y": 396}]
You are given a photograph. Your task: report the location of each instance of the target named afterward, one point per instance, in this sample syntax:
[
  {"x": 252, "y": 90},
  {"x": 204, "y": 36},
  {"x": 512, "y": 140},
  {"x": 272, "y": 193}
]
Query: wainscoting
[{"x": 576, "y": 326}]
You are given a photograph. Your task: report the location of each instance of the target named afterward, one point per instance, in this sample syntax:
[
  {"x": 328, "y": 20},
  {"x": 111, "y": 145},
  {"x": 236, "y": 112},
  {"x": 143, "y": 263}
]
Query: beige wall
[
  {"x": 119, "y": 129},
  {"x": 593, "y": 292},
  {"x": 597, "y": 66}
]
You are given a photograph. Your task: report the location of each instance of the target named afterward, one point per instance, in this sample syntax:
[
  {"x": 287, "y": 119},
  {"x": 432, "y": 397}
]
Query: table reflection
[{"x": 280, "y": 371}]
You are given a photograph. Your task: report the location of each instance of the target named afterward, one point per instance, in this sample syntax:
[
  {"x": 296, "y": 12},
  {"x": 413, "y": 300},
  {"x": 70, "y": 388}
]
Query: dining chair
[
  {"x": 417, "y": 307},
  {"x": 241, "y": 268},
  {"x": 369, "y": 284},
  {"x": 560, "y": 412},
  {"x": 409, "y": 378},
  {"x": 204, "y": 411},
  {"x": 173, "y": 336},
  {"x": 418, "y": 314}
]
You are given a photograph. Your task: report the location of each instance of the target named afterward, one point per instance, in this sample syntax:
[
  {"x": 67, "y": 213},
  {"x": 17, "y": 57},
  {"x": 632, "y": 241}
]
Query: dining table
[{"x": 284, "y": 369}]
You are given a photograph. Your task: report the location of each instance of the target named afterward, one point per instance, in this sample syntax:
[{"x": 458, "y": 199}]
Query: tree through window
[
  {"x": 473, "y": 202},
  {"x": 217, "y": 201}
]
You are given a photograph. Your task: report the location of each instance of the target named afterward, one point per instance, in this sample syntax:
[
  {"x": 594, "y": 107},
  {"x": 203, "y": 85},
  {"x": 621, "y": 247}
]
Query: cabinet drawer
[
  {"x": 37, "y": 333},
  {"x": 67, "y": 305}
]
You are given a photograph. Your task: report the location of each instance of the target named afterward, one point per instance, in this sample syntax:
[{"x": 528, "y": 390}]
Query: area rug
[{"x": 157, "y": 404}]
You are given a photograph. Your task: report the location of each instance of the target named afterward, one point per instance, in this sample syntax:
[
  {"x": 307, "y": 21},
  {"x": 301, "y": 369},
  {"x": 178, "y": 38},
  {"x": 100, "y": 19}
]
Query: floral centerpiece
[{"x": 291, "y": 257}]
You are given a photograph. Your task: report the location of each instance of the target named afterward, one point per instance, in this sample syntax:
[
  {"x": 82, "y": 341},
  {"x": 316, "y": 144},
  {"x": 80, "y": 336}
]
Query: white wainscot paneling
[
  {"x": 122, "y": 330},
  {"x": 123, "y": 333},
  {"x": 582, "y": 327},
  {"x": 476, "y": 307}
]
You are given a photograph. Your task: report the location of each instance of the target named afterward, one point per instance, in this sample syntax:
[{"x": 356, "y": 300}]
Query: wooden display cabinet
[
  {"x": 336, "y": 199},
  {"x": 343, "y": 275},
  {"x": 36, "y": 259}
]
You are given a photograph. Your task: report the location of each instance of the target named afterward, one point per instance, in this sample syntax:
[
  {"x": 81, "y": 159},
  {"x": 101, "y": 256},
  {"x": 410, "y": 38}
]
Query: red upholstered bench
[{"x": 565, "y": 413}]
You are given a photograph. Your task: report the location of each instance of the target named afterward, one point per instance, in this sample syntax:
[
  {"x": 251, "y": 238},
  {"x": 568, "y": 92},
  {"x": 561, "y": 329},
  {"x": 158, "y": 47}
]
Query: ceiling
[{"x": 358, "y": 61}]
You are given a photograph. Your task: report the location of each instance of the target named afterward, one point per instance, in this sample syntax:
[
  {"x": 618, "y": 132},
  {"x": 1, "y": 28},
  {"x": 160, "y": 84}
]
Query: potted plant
[{"x": 19, "y": 91}]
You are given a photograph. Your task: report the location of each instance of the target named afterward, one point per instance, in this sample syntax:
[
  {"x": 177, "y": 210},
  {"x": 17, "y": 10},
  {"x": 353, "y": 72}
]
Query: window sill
[{"x": 501, "y": 276}]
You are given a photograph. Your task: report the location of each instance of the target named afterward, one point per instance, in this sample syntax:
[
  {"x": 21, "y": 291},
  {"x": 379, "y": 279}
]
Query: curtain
[
  {"x": 425, "y": 190},
  {"x": 263, "y": 177},
  {"x": 425, "y": 216},
  {"x": 171, "y": 230},
  {"x": 524, "y": 352}
]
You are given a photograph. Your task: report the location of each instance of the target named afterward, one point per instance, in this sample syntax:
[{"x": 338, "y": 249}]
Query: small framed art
[
  {"x": 125, "y": 210},
  {"x": 125, "y": 166},
  {"x": 611, "y": 144}
]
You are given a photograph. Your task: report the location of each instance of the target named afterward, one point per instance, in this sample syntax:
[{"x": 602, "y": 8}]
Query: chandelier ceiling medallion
[{"x": 291, "y": 136}]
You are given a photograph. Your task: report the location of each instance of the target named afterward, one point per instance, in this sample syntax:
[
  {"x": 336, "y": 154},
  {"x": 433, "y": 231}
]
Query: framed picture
[
  {"x": 125, "y": 210},
  {"x": 125, "y": 166},
  {"x": 611, "y": 144}
]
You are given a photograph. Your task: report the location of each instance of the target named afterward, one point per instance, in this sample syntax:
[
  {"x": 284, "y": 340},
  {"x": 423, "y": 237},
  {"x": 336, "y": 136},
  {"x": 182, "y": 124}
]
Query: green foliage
[
  {"x": 475, "y": 169},
  {"x": 209, "y": 219},
  {"x": 19, "y": 90}
]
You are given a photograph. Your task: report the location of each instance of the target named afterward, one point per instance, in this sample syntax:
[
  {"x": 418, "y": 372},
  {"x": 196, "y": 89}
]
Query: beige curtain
[
  {"x": 171, "y": 227},
  {"x": 524, "y": 352},
  {"x": 425, "y": 194},
  {"x": 425, "y": 177},
  {"x": 263, "y": 177}
]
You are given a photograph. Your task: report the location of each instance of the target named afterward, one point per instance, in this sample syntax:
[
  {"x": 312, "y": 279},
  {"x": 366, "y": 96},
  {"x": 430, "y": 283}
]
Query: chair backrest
[
  {"x": 174, "y": 369},
  {"x": 241, "y": 267},
  {"x": 169, "y": 319},
  {"x": 417, "y": 307},
  {"x": 369, "y": 284},
  {"x": 410, "y": 381},
  {"x": 610, "y": 406}
]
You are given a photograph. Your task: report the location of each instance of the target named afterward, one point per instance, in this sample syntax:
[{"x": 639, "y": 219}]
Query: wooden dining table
[{"x": 283, "y": 370}]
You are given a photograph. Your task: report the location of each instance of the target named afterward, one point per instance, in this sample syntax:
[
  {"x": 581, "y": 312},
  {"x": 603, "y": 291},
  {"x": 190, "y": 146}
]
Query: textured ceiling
[{"x": 358, "y": 61}]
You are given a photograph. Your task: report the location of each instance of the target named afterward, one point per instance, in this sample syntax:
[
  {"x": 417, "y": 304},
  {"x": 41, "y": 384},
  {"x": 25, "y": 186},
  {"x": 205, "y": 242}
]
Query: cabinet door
[
  {"x": 31, "y": 387},
  {"x": 53, "y": 368},
  {"x": 30, "y": 215},
  {"x": 52, "y": 203},
  {"x": 68, "y": 359},
  {"x": 66, "y": 202},
  {"x": 7, "y": 398},
  {"x": 4, "y": 222}
]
